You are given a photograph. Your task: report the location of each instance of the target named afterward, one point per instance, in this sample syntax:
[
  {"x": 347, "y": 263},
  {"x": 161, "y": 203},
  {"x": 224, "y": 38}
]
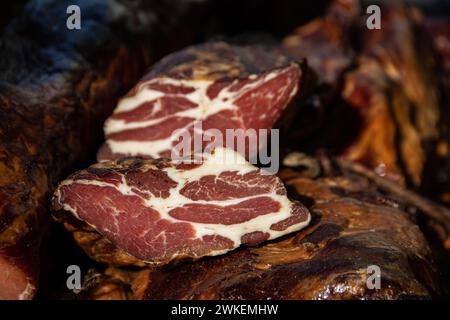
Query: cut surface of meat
[
  {"x": 157, "y": 211},
  {"x": 213, "y": 84},
  {"x": 13, "y": 283}
]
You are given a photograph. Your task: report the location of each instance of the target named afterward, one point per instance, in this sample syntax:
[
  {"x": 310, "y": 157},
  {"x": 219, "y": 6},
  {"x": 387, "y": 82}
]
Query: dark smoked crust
[
  {"x": 327, "y": 260},
  {"x": 218, "y": 61}
]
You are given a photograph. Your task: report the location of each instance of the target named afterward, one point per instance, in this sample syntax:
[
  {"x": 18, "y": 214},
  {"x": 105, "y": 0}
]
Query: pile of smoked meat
[{"x": 364, "y": 145}]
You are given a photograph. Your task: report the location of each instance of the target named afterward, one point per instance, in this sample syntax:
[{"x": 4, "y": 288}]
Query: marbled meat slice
[
  {"x": 156, "y": 211},
  {"x": 221, "y": 86}
]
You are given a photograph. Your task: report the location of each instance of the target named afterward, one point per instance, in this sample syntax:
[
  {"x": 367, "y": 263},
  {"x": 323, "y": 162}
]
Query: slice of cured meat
[
  {"x": 155, "y": 211},
  {"x": 221, "y": 86}
]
